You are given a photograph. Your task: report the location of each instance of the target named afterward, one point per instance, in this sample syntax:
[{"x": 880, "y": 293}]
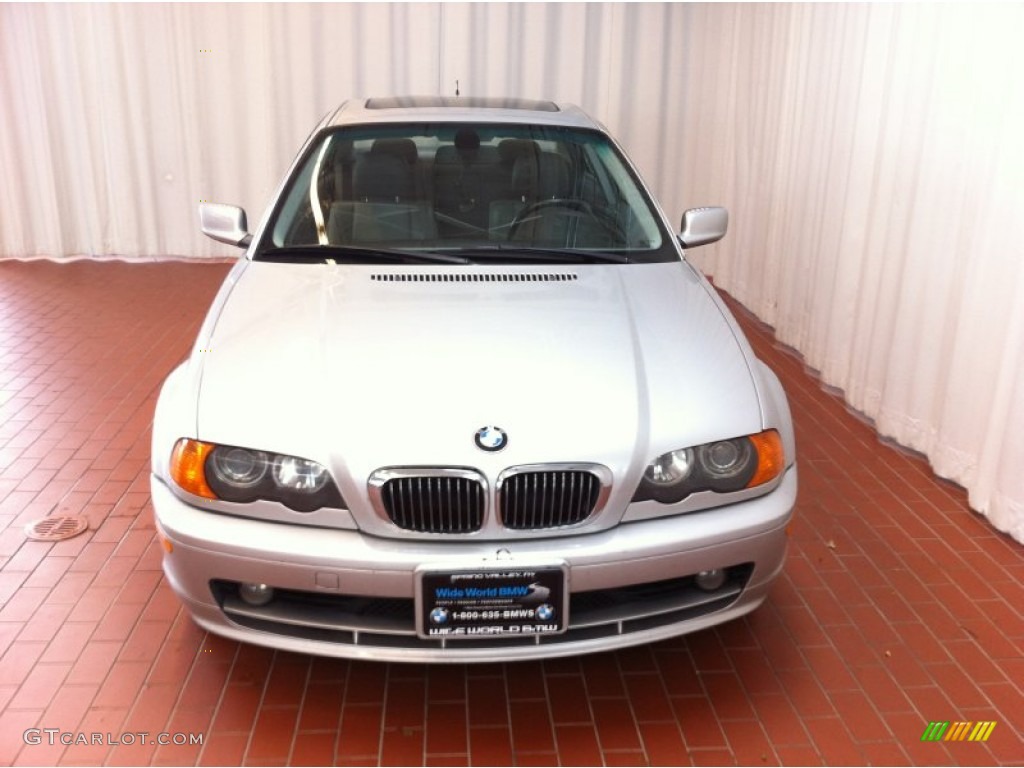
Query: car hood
[{"x": 362, "y": 367}]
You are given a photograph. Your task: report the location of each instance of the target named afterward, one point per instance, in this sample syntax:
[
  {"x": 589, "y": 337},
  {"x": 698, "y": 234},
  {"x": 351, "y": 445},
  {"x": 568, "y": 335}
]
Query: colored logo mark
[
  {"x": 958, "y": 731},
  {"x": 490, "y": 438},
  {"x": 545, "y": 612}
]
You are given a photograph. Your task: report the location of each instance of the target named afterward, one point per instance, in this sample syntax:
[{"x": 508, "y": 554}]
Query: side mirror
[
  {"x": 225, "y": 224},
  {"x": 703, "y": 225}
]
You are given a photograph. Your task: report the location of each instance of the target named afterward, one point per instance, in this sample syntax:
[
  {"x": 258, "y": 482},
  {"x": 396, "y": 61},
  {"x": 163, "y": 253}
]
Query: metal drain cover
[{"x": 56, "y": 528}]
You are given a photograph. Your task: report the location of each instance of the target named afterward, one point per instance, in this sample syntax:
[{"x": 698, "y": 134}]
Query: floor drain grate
[{"x": 56, "y": 528}]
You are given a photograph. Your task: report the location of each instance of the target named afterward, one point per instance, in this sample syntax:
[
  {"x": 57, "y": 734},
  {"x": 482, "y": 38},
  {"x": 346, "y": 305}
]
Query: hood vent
[{"x": 474, "y": 277}]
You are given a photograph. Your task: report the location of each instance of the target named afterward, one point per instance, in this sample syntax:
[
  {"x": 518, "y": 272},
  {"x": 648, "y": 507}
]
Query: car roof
[{"x": 402, "y": 109}]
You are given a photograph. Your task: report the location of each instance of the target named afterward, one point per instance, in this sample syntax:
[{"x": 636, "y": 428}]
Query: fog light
[
  {"x": 711, "y": 580},
  {"x": 256, "y": 594}
]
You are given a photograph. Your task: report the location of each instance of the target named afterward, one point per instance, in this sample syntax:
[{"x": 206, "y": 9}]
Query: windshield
[{"x": 468, "y": 188}]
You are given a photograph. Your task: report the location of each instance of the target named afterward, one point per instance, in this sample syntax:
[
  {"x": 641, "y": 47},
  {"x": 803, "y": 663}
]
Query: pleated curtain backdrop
[
  {"x": 870, "y": 156},
  {"x": 117, "y": 119}
]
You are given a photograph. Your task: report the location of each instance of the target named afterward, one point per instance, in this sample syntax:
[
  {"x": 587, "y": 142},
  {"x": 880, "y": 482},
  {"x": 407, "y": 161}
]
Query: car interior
[{"x": 460, "y": 191}]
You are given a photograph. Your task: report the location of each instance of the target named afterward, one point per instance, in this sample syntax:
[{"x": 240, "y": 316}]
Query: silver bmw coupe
[{"x": 464, "y": 399}]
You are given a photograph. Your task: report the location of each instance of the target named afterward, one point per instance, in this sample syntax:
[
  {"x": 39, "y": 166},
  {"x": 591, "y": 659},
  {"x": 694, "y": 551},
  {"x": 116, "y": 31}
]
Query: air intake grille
[
  {"x": 532, "y": 500},
  {"x": 434, "y": 504},
  {"x": 474, "y": 277}
]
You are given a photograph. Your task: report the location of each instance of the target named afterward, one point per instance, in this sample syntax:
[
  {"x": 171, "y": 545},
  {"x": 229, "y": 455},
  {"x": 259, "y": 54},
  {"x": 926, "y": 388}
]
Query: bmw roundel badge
[{"x": 490, "y": 438}]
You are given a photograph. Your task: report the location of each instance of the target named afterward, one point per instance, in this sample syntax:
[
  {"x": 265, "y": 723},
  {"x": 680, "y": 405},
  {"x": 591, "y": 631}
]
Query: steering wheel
[{"x": 567, "y": 203}]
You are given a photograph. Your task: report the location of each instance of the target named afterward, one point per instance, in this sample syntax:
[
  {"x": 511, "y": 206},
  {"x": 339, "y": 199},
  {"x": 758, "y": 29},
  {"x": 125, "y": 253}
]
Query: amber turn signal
[
  {"x": 188, "y": 461},
  {"x": 771, "y": 458}
]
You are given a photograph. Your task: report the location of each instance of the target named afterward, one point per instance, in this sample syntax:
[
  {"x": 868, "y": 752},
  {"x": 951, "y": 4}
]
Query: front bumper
[{"x": 327, "y": 571}]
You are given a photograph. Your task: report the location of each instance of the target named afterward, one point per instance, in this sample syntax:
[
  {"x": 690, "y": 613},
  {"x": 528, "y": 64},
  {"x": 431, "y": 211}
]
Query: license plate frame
[{"x": 481, "y": 603}]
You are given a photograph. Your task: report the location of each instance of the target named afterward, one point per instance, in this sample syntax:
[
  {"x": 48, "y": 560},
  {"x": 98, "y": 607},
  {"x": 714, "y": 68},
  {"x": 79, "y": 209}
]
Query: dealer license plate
[{"x": 478, "y": 604}]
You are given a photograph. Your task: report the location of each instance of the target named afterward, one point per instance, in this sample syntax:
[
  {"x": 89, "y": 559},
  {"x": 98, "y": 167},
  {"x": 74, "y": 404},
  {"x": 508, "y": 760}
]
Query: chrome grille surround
[
  {"x": 535, "y": 497},
  {"x": 455, "y": 501},
  {"x": 441, "y": 500}
]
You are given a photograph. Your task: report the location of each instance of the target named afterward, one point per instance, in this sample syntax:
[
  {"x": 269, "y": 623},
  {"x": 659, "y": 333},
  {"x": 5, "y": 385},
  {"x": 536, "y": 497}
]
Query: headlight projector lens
[
  {"x": 299, "y": 474},
  {"x": 239, "y": 467},
  {"x": 726, "y": 459},
  {"x": 671, "y": 468}
]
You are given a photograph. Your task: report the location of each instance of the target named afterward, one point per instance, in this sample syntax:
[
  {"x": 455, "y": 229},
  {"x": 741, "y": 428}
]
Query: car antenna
[{"x": 456, "y": 87}]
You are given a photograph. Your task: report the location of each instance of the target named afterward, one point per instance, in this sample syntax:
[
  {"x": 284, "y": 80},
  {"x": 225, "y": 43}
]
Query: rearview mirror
[
  {"x": 703, "y": 225},
  {"x": 225, "y": 224}
]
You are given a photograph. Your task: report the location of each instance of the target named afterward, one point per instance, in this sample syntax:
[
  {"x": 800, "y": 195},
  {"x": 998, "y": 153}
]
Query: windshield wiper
[
  {"x": 531, "y": 252},
  {"x": 329, "y": 254}
]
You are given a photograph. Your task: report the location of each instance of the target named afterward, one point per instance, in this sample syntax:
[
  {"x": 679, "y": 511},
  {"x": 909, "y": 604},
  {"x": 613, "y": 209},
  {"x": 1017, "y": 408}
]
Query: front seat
[{"x": 386, "y": 206}]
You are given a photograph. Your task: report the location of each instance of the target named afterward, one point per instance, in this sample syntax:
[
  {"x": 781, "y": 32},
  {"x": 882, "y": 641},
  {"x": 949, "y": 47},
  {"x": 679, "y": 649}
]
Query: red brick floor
[{"x": 898, "y": 605}]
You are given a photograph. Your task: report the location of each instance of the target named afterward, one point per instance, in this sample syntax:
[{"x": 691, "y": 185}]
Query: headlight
[
  {"x": 670, "y": 468},
  {"x": 238, "y": 468},
  {"x": 230, "y": 473},
  {"x": 723, "y": 466},
  {"x": 726, "y": 461},
  {"x": 299, "y": 474}
]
